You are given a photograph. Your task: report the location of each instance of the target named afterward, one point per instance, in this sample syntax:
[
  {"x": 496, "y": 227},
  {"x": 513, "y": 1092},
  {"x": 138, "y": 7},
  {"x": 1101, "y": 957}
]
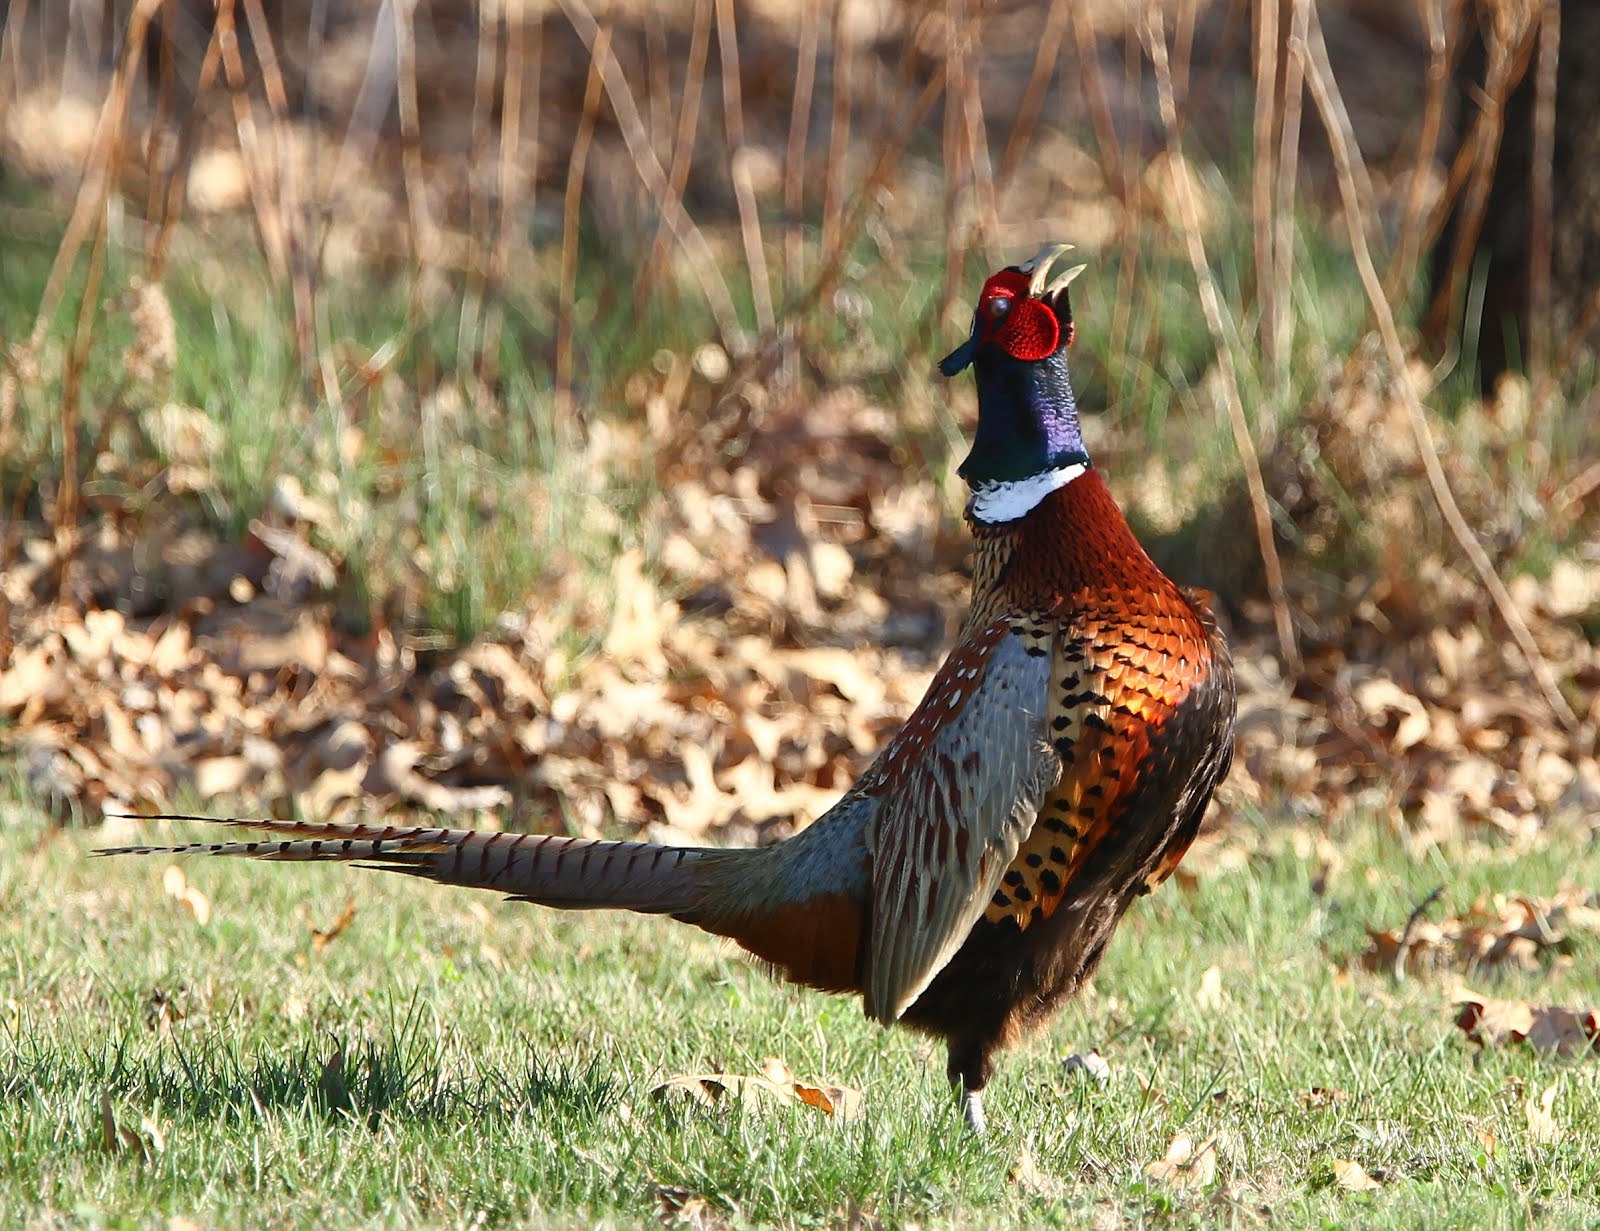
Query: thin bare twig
[
  {"x": 16, "y": 21},
  {"x": 987, "y": 214},
  {"x": 571, "y": 209},
  {"x": 955, "y": 162},
  {"x": 1211, "y": 307},
  {"x": 108, "y": 157},
  {"x": 1408, "y": 934},
  {"x": 1269, "y": 291},
  {"x": 1509, "y": 49},
  {"x": 794, "y": 158},
  {"x": 297, "y": 248},
  {"x": 157, "y": 146},
  {"x": 98, "y": 176},
  {"x": 1114, "y": 169},
  {"x": 1288, "y": 174},
  {"x": 1112, "y": 164},
  {"x": 658, "y": 73},
  {"x": 269, "y": 222},
  {"x": 479, "y": 187},
  {"x": 511, "y": 94},
  {"x": 1033, "y": 94},
  {"x": 423, "y": 239},
  {"x": 701, "y": 259},
  {"x": 755, "y": 255},
  {"x": 891, "y": 150},
  {"x": 838, "y": 129},
  {"x": 1341, "y": 137},
  {"x": 1541, "y": 200},
  {"x": 1409, "y": 245},
  {"x": 694, "y": 80},
  {"x": 175, "y": 182}
]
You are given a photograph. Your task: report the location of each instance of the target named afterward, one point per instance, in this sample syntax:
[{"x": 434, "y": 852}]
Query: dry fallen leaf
[
  {"x": 1542, "y": 1126},
  {"x": 1486, "y": 1138},
  {"x": 1352, "y": 1177},
  {"x": 1319, "y": 1096},
  {"x": 143, "y": 1144},
  {"x": 1030, "y": 1178},
  {"x": 321, "y": 939},
  {"x": 1187, "y": 1167},
  {"x": 1091, "y": 1064},
  {"x": 1548, "y": 1030},
  {"x": 177, "y": 886},
  {"x": 776, "y": 1084},
  {"x": 679, "y": 1207},
  {"x": 1511, "y": 931}
]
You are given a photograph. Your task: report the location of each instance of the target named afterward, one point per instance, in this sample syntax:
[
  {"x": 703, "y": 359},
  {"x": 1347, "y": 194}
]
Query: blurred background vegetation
[{"x": 460, "y": 405}]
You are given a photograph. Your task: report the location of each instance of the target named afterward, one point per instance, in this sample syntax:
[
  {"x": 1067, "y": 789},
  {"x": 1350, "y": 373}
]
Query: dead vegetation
[{"x": 713, "y": 655}]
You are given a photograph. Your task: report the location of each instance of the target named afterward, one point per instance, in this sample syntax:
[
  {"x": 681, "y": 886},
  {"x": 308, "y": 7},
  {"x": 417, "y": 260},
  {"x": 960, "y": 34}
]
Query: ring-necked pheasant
[{"x": 1057, "y": 768}]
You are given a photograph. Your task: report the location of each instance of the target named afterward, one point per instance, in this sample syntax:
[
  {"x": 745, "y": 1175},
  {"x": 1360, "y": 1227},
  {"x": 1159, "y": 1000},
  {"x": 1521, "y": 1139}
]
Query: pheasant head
[{"x": 1028, "y": 442}]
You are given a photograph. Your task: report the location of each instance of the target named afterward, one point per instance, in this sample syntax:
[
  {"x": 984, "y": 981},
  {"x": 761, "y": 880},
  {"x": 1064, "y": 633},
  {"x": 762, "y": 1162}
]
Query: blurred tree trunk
[{"x": 1521, "y": 234}]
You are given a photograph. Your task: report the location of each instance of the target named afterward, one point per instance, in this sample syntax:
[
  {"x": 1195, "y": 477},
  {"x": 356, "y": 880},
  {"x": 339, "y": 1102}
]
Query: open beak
[{"x": 961, "y": 358}]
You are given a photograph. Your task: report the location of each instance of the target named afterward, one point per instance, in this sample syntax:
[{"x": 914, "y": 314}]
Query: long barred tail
[{"x": 573, "y": 873}]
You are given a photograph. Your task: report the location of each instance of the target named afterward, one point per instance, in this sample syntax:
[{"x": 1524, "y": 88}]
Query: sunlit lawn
[{"x": 498, "y": 1061}]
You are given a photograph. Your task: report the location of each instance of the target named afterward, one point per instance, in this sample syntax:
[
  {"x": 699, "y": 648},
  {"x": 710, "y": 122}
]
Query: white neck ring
[{"x": 999, "y": 502}]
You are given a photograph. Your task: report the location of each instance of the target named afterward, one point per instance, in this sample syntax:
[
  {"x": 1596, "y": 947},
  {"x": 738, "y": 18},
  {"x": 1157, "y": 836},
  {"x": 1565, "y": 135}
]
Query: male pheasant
[{"x": 1058, "y": 766}]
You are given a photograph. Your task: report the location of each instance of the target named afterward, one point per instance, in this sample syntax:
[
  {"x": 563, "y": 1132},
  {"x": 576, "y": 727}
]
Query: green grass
[{"x": 499, "y": 1061}]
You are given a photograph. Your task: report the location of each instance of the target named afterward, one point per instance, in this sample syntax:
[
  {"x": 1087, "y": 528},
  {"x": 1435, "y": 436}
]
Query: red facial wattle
[{"x": 1008, "y": 315}]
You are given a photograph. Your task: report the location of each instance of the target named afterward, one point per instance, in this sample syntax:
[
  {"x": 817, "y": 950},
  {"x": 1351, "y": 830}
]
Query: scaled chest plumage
[{"x": 1128, "y": 649}]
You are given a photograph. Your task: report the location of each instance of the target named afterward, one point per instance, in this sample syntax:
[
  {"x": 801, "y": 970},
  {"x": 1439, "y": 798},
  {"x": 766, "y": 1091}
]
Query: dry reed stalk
[
  {"x": 1569, "y": 498},
  {"x": 658, "y": 75},
  {"x": 93, "y": 187},
  {"x": 424, "y": 240},
  {"x": 1183, "y": 51},
  {"x": 1288, "y": 176},
  {"x": 511, "y": 95},
  {"x": 1268, "y": 108},
  {"x": 269, "y": 224},
  {"x": 755, "y": 255},
  {"x": 1341, "y": 138},
  {"x": 955, "y": 160},
  {"x": 1211, "y": 307},
  {"x": 11, "y": 55},
  {"x": 1541, "y": 200},
  {"x": 889, "y": 150},
  {"x": 1034, "y": 93},
  {"x": 1114, "y": 169},
  {"x": 1317, "y": 54},
  {"x": 838, "y": 131},
  {"x": 476, "y": 281},
  {"x": 1409, "y": 243},
  {"x": 1473, "y": 175},
  {"x": 694, "y": 80},
  {"x": 1092, "y": 81},
  {"x": 571, "y": 207},
  {"x": 160, "y": 122},
  {"x": 107, "y": 155},
  {"x": 160, "y": 245},
  {"x": 987, "y": 214},
  {"x": 794, "y": 157},
  {"x": 297, "y": 246}
]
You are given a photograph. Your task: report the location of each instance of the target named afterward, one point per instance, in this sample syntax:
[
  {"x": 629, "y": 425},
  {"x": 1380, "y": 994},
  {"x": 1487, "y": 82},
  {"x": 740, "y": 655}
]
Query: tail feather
[{"x": 572, "y": 873}]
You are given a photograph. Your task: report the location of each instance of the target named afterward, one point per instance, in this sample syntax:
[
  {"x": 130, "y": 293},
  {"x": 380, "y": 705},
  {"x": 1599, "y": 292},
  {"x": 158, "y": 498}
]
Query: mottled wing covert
[{"x": 960, "y": 786}]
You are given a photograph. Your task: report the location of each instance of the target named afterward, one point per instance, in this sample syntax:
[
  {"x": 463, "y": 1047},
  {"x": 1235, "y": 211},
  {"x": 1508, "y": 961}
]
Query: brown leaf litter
[
  {"x": 1549, "y": 1030},
  {"x": 1507, "y": 931},
  {"x": 774, "y": 1085},
  {"x": 791, "y": 618}
]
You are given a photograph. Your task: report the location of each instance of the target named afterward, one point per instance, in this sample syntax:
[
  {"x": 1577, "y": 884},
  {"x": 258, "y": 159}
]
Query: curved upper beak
[{"x": 960, "y": 358}]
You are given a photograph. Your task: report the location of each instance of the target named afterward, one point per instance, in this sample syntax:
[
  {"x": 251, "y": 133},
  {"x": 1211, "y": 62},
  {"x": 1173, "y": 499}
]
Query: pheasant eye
[{"x": 998, "y": 307}]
